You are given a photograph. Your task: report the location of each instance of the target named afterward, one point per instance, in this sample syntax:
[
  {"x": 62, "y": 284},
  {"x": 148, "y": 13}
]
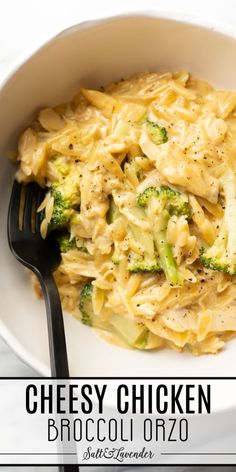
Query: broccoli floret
[
  {"x": 133, "y": 333},
  {"x": 217, "y": 257},
  {"x": 85, "y": 304},
  {"x": 66, "y": 198},
  {"x": 176, "y": 203},
  {"x": 86, "y": 308},
  {"x": 160, "y": 204},
  {"x": 157, "y": 133},
  {"x": 132, "y": 170},
  {"x": 66, "y": 243},
  {"x": 145, "y": 196},
  {"x": 214, "y": 262},
  {"x": 138, "y": 263},
  {"x": 221, "y": 256},
  {"x": 147, "y": 261},
  {"x": 61, "y": 211}
]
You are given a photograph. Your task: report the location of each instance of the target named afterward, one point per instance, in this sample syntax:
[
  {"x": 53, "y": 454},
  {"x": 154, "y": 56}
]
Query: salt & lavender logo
[{"x": 117, "y": 454}]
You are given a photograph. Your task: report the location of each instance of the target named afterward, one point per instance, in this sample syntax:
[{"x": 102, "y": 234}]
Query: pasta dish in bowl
[{"x": 141, "y": 198}]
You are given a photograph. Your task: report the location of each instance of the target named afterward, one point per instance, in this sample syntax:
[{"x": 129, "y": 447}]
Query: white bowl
[{"x": 95, "y": 53}]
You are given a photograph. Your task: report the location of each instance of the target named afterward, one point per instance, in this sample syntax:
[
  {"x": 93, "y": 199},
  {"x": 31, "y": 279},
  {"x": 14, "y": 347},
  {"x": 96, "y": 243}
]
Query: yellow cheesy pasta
[{"x": 141, "y": 198}]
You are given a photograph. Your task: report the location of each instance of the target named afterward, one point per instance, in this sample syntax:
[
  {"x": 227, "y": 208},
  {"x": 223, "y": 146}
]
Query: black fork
[{"x": 42, "y": 257}]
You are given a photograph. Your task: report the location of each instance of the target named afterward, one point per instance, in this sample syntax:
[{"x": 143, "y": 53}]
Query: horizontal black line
[
  {"x": 74, "y": 454},
  {"x": 38, "y": 454},
  {"x": 117, "y": 378},
  {"x": 198, "y": 453},
  {"x": 118, "y": 465}
]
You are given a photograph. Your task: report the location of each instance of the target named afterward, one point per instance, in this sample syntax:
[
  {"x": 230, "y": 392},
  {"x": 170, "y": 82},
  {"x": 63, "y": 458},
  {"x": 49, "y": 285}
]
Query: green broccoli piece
[
  {"x": 221, "y": 256},
  {"x": 145, "y": 196},
  {"x": 66, "y": 243},
  {"x": 61, "y": 211},
  {"x": 148, "y": 261},
  {"x": 66, "y": 198},
  {"x": 86, "y": 308},
  {"x": 176, "y": 203},
  {"x": 112, "y": 214},
  {"x": 133, "y": 333},
  {"x": 113, "y": 211},
  {"x": 160, "y": 204},
  {"x": 167, "y": 260},
  {"x": 133, "y": 167},
  {"x": 157, "y": 133},
  {"x": 116, "y": 254},
  {"x": 140, "y": 264},
  {"x": 85, "y": 304},
  {"x": 145, "y": 262},
  {"x": 61, "y": 164},
  {"x": 215, "y": 262}
]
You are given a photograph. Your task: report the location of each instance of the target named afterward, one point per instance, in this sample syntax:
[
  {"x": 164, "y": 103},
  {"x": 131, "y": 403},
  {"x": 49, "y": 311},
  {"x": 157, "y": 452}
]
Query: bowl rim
[
  {"x": 175, "y": 16},
  {"x": 22, "y": 59}
]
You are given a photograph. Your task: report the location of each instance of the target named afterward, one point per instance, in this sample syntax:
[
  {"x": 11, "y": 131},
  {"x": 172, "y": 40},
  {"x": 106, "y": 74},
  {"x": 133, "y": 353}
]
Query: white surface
[{"x": 25, "y": 22}]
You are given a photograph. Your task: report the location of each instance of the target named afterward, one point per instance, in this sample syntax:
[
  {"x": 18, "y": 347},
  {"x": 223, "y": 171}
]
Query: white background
[{"x": 25, "y": 22}]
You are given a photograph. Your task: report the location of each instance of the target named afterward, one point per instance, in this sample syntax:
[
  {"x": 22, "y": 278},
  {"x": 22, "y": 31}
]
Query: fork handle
[
  {"x": 56, "y": 335},
  {"x": 68, "y": 468},
  {"x": 56, "y": 332}
]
